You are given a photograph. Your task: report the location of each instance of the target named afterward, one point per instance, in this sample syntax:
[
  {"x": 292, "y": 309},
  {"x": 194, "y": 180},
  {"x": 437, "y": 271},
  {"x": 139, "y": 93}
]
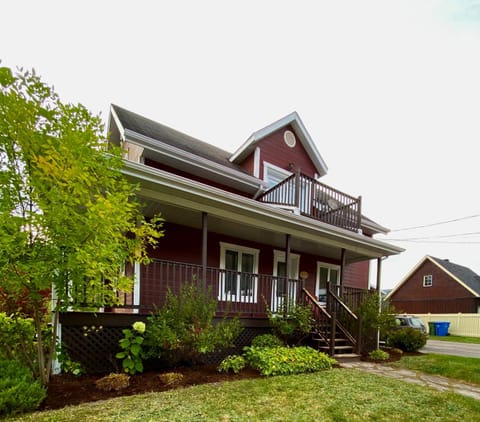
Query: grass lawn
[
  {"x": 335, "y": 395},
  {"x": 458, "y": 339},
  {"x": 460, "y": 368}
]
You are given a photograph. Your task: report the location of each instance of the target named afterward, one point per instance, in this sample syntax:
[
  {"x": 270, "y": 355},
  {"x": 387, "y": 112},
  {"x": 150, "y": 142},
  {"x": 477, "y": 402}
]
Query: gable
[
  {"x": 445, "y": 284},
  {"x": 304, "y": 151},
  {"x": 273, "y": 150}
]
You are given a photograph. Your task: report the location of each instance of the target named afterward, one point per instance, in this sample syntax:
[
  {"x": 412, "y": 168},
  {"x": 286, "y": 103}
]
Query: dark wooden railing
[
  {"x": 316, "y": 200},
  {"x": 236, "y": 293}
]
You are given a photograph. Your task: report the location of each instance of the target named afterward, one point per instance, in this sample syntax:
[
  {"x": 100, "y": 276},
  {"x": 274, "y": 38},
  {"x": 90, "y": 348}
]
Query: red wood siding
[
  {"x": 274, "y": 151},
  {"x": 193, "y": 177},
  {"x": 356, "y": 275},
  {"x": 444, "y": 296}
]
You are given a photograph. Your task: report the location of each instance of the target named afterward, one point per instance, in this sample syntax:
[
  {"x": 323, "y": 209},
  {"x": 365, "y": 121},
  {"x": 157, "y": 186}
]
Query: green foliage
[
  {"x": 183, "y": 328},
  {"x": 132, "y": 355},
  {"x": 292, "y": 322},
  {"x": 68, "y": 217},
  {"x": 272, "y": 361},
  {"x": 374, "y": 318},
  {"x": 68, "y": 365},
  {"x": 266, "y": 340},
  {"x": 17, "y": 340},
  {"x": 379, "y": 355},
  {"x": 18, "y": 391},
  {"x": 234, "y": 363},
  {"x": 407, "y": 339}
]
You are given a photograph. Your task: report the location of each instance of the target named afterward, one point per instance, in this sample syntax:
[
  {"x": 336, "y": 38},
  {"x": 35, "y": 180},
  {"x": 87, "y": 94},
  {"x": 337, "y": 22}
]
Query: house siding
[
  {"x": 274, "y": 151},
  {"x": 445, "y": 295}
]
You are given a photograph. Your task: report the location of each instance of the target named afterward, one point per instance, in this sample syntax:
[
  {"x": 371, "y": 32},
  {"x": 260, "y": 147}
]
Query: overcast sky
[{"x": 389, "y": 91}]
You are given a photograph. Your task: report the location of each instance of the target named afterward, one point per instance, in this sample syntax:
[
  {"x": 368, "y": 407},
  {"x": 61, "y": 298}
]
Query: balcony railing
[{"x": 316, "y": 200}]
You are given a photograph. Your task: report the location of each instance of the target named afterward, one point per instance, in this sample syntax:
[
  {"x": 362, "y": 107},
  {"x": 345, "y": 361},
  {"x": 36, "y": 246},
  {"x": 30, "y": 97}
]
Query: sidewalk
[{"x": 420, "y": 378}]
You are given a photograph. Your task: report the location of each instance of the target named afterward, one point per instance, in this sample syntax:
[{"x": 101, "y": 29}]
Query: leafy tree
[{"x": 69, "y": 219}]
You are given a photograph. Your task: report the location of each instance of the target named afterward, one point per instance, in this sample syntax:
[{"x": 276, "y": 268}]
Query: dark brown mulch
[{"x": 66, "y": 390}]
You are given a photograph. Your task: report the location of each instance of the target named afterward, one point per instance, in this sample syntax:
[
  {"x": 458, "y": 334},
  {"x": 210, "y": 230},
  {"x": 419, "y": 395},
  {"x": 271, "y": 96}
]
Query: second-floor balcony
[{"x": 313, "y": 199}]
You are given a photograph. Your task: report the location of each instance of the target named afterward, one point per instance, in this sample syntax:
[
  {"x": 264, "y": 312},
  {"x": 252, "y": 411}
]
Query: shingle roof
[
  {"x": 167, "y": 135},
  {"x": 464, "y": 274}
]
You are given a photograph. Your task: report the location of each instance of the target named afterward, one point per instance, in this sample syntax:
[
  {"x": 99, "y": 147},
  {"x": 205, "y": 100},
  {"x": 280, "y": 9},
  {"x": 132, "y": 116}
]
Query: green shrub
[
  {"x": 407, "y": 339},
  {"x": 266, "y": 340},
  {"x": 183, "y": 329},
  {"x": 272, "y": 361},
  {"x": 234, "y": 363},
  {"x": 17, "y": 340},
  {"x": 379, "y": 355},
  {"x": 132, "y": 354},
  {"x": 292, "y": 322},
  {"x": 18, "y": 391}
]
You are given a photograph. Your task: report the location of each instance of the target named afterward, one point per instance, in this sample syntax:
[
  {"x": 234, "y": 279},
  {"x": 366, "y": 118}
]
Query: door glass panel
[
  {"x": 281, "y": 272},
  {"x": 333, "y": 276},
  {"x": 231, "y": 267},
  {"x": 246, "y": 279}
]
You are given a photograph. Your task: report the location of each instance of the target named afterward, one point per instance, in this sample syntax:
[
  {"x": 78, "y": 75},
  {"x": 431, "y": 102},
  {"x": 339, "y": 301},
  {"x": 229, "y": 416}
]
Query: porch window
[
  {"x": 427, "y": 280},
  {"x": 326, "y": 273},
  {"x": 238, "y": 278},
  {"x": 280, "y": 289}
]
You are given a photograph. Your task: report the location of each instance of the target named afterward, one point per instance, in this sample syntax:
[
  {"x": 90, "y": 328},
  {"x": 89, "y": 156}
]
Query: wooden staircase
[{"x": 336, "y": 331}]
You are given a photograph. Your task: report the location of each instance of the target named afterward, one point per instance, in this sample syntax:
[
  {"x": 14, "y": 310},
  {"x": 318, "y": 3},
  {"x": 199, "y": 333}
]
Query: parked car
[{"x": 404, "y": 321}]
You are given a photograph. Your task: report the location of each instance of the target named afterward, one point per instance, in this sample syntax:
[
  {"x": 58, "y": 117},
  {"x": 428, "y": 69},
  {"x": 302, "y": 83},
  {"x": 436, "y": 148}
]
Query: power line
[
  {"x": 408, "y": 239},
  {"x": 435, "y": 224},
  {"x": 443, "y": 242}
]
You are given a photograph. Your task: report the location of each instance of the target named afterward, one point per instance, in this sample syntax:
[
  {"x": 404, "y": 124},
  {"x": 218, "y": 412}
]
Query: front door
[
  {"x": 326, "y": 273},
  {"x": 283, "y": 289}
]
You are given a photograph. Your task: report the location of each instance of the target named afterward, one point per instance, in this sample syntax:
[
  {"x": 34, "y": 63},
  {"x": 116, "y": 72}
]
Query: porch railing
[
  {"x": 316, "y": 200},
  {"x": 236, "y": 293}
]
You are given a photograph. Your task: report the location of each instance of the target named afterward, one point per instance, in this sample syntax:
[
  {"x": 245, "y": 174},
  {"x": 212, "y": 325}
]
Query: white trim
[
  {"x": 318, "y": 291},
  {"x": 301, "y": 132},
  {"x": 420, "y": 263},
  {"x": 117, "y": 122},
  {"x": 256, "y": 163},
  {"x": 136, "y": 286},
  {"x": 269, "y": 166},
  {"x": 223, "y": 204},
  {"x": 237, "y": 296},
  {"x": 191, "y": 159},
  {"x": 428, "y": 277}
]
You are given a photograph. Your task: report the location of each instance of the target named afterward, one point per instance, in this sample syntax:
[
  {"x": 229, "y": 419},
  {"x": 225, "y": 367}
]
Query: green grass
[
  {"x": 457, "y": 339},
  {"x": 460, "y": 368},
  {"x": 335, "y": 395}
]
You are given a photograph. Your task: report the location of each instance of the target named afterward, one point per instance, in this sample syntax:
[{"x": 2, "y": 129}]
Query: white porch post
[{"x": 136, "y": 287}]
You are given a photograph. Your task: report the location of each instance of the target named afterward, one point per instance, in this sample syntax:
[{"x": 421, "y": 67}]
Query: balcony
[{"x": 316, "y": 200}]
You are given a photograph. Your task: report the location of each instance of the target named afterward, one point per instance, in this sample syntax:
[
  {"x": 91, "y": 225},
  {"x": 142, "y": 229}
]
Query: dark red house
[
  {"x": 256, "y": 225},
  {"x": 437, "y": 286}
]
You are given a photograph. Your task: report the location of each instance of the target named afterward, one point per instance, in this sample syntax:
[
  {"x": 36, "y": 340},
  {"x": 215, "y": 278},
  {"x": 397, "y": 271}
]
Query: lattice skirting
[{"x": 94, "y": 343}]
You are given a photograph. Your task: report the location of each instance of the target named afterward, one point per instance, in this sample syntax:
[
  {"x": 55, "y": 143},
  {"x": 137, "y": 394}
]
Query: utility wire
[
  {"x": 435, "y": 224},
  {"x": 408, "y": 239}
]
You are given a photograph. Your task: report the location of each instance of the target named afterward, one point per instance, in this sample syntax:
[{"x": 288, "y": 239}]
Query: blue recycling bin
[{"x": 441, "y": 328}]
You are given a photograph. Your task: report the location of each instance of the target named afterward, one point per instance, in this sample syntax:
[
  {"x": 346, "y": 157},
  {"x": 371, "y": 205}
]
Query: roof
[
  {"x": 462, "y": 275},
  {"x": 144, "y": 126},
  {"x": 292, "y": 119}
]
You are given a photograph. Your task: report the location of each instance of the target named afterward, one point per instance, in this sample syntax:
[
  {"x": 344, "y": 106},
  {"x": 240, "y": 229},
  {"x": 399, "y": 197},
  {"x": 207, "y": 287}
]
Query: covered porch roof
[{"x": 182, "y": 201}]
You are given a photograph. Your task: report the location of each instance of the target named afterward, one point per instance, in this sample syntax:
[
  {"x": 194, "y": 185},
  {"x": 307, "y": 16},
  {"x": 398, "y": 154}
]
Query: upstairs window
[
  {"x": 427, "y": 281},
  {"x": 273, "y": 175}
]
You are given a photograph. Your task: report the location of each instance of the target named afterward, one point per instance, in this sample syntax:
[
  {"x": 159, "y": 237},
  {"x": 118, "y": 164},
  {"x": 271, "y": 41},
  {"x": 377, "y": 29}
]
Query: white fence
[{"x": 460, "y": 324}]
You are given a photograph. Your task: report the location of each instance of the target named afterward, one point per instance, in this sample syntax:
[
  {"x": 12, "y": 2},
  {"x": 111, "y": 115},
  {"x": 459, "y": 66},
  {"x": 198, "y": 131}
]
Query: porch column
[
  {"x": 342, "y": 269},
  {"x": 287, "y": 271},
  {"x": 379, "y": 292},
  {"x": 204, "y": 249}
]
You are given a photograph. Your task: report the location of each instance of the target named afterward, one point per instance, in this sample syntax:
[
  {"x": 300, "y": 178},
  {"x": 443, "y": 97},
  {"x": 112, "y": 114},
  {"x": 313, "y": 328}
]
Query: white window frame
[
  {"x": 271, "y": 168},
  {"x": 237, "y": 296},
  {"x": 319, "y": 292},
  {"x": 279, "y": 256},
  {"x": 428, "y": 280}
]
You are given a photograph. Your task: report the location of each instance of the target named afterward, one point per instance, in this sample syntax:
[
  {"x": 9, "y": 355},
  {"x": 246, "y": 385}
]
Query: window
[
  {"x": 273, "y": 175},
  {"x": 326, "y": 273},
  {"x": 238, "y": 278},
  {"x": 427, "y": 281}
]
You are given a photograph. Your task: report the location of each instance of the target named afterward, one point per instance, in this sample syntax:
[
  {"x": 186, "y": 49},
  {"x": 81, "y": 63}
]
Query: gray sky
[{"x": 389, "y": 90}]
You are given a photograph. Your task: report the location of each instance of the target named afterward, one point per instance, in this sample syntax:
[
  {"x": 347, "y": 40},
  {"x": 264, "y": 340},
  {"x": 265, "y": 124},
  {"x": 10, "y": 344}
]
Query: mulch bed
[{"x": 67, "y": 390}]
